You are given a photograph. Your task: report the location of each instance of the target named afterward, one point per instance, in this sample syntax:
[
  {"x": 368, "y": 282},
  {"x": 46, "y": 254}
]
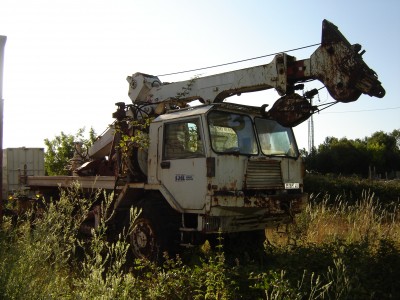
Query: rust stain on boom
[{"x": 339, "y": 65}]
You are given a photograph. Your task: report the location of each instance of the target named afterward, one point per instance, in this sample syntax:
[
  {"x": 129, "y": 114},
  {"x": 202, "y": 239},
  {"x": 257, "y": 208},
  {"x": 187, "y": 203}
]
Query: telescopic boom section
[
  {"x": 211, "y": 89},
  {"x": 336, "y": 63}
]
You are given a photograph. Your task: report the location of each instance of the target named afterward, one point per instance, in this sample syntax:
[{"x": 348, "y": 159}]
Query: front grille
[
  {"x": 212, "y": 224},
  {"x": 263, "y": 174}
]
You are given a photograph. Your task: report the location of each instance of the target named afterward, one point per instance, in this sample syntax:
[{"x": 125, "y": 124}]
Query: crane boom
[
  {"x": 211, "y": 89},
  {"x": 336, "y": 63}
]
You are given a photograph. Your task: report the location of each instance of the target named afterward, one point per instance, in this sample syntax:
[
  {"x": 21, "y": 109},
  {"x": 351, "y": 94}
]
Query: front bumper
[{"x": 234, "y": 213}]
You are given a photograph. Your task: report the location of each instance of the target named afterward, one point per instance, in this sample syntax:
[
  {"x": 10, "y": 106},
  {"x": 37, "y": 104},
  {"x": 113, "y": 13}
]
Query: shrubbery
[
  {"x": 349, "y": 189},
  {"x": 333, "y": 251}
]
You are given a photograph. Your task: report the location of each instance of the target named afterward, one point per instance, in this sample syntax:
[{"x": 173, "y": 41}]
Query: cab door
[{"x": 182, "y": 162}]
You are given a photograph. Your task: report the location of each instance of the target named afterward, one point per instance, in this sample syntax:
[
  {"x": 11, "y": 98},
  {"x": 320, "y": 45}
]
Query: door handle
[{"x": 165, "y": 164}]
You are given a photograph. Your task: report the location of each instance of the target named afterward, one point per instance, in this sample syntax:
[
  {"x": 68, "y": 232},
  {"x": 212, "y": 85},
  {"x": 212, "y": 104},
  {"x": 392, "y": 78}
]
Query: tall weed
[
  {"x": 334, "y": 251},
  {"x": 328, "y": 220},
  {"x": 43, "y": 256},
  {"x": 347, "y": 246},
  {"x": 37, "y": 253}
]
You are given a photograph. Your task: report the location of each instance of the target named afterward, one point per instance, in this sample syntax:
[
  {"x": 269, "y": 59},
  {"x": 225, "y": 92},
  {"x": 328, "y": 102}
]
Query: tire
[
  {"x": 154, "y": 231},
  {"x": 143, "y": 239}
]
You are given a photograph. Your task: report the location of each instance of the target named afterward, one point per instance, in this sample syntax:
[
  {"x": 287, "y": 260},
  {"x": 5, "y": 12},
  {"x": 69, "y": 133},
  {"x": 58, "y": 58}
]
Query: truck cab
[{"x": 225, "y": 163}]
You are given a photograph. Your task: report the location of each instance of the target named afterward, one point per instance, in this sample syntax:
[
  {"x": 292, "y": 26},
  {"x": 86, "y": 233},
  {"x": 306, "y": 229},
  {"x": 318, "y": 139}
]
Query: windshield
[
  {"x": 275, "y": 139},
  {"x": 232, "y": 133}
]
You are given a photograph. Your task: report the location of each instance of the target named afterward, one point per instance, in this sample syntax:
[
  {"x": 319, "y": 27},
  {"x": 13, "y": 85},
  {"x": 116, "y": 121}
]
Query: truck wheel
[
  {"x": 155, "y": 230},
  {"x": 143, "y": 239}
]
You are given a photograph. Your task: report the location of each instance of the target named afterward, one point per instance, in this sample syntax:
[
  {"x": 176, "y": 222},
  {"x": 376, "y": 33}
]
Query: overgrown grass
[
  {"x": 47, "y": 259},
  {"x": 351, "y": 251},
  {"x": 333, "y": 251},
  {"x": 364, "y": 221}
]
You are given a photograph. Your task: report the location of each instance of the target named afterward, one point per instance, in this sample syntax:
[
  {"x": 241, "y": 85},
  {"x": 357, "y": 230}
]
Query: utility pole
[
  {"x": 3, "y": 40},
  {"x": 310, "y": 134}
]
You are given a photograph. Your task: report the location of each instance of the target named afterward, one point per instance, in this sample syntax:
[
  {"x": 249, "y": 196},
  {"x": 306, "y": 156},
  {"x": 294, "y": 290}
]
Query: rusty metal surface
[
  {"x": 242, "y": 223},
  {"x": 263, "y": 174},
  {"x": 239, "y": 213},
  {"x": 339, "y": 65},
  {"x": 290, "y": 110},
  {"x": 272, "y": 203},
  {"x": 103, "y": 182}
]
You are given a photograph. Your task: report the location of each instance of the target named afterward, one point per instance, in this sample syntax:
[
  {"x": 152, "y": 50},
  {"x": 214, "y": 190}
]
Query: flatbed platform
[{"x": 86, "y": 182}]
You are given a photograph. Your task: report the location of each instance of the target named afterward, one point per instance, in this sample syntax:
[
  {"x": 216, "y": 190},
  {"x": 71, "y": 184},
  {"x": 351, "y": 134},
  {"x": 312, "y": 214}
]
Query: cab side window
[{"x": 183, "y": 140}]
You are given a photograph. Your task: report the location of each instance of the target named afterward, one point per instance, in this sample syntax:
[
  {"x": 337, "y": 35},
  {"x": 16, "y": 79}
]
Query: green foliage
[
  {"x": 208, "y": 279},
  {"x": 60, "y": 150},
  {"x": 276, "y": 286},
  {"x": 131, "y": 136},
  {"x": 335, "y": 270},
  {"x": 101, "y": 273},
  {"x": 139, "y": 139},
  {"x": 380, "y": 153},
  {"x": 351, "y": 251},
  {"x": 349, "y": 188},
  {"x": 46, "y": 259},
  {"x": 42, "y": 256},
  {"x": 36, "y": 255}
]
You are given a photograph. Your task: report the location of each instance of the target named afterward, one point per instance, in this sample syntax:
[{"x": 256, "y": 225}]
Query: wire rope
[{"x": 238, "y": 61}]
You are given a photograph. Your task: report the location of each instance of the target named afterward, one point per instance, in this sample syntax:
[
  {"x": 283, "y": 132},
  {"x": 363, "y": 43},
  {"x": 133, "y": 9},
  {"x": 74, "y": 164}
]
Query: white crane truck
[{"x": 217, "y": 167}]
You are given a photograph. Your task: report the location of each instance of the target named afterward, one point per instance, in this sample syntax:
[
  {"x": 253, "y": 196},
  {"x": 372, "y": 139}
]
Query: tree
[
  {"x": 341, "y": 156},
  {"x": 60, "y": 150},
  {"x": 381, "y": 151},
  {"x": 396, "y": 135},
  {"x": 384, "y": 151}
]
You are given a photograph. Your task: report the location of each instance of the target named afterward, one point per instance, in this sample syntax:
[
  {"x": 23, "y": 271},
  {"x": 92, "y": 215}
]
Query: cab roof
[{"x": 203, "y": 109}]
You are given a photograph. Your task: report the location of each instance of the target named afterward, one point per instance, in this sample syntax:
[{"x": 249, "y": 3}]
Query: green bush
[
  {"x": 36, "y": 253},
  {"x": 349, "y": 189},
  {"x": 333, "y": 251},
  {"x": 43, "y": 257}
]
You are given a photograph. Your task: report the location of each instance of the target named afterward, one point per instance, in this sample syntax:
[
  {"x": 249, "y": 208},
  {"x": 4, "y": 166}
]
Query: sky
[{"x": 66, "y": 62}]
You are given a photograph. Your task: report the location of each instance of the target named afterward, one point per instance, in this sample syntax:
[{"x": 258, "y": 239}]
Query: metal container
[{"x": 20, "y": 161}]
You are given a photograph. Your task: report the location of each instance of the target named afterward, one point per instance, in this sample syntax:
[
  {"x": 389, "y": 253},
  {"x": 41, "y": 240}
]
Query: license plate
[{"x": 292, "y": 185}]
